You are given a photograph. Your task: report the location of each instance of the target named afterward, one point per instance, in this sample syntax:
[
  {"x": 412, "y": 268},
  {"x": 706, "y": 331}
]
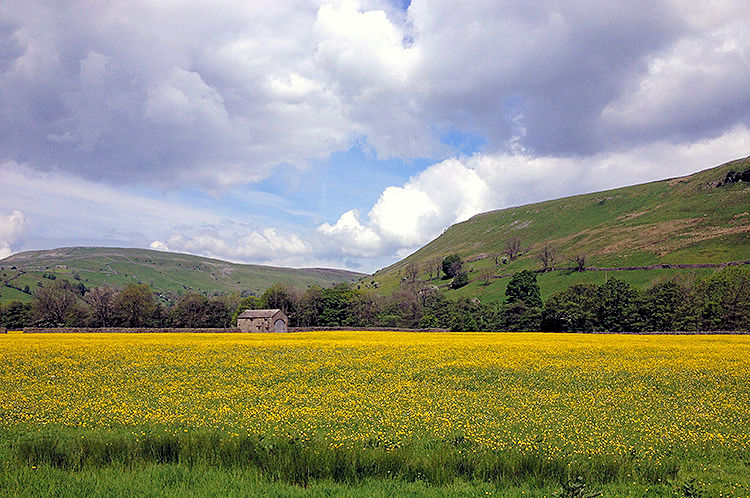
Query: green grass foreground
[{"x": 171, "y": 461}]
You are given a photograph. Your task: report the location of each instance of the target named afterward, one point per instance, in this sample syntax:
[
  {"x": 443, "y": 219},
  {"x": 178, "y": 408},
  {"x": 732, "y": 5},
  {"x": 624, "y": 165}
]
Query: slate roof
[{"x": 258, "y": 313}]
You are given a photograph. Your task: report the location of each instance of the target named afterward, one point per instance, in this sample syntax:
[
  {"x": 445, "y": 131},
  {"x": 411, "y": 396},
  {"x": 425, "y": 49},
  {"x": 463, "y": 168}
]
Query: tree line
[
  {"x": 720, "y": 301},
  {"x": 62, "y": 304}
]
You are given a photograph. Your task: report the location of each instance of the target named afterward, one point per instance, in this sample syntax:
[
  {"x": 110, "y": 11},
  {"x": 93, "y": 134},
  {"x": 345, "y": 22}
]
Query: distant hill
[
  {"x": 701, "y": 218},
  {"x": 167, "y": 273}
]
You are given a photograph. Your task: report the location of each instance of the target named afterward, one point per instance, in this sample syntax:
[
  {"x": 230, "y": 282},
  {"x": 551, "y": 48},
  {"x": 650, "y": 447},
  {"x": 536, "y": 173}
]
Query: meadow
[{"x": 375, "y": 413}]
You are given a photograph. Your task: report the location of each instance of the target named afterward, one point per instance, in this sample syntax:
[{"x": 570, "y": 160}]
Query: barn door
[{"x": 279, "y": 326}]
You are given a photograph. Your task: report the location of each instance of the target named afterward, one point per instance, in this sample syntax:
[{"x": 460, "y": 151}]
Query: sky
[{"x": 349, "y": 133}]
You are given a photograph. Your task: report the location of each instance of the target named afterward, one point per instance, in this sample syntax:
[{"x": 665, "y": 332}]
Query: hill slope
[
  {"x": 700, "y": 218},
  {"x": 167, "y": 273}
]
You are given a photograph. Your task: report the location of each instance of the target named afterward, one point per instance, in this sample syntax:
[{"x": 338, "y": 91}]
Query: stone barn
[{"x": 262, "y": 321}]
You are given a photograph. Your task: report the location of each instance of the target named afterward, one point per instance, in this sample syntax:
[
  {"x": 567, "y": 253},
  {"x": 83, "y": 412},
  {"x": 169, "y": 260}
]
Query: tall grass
[{"x": 295, "y": 461}]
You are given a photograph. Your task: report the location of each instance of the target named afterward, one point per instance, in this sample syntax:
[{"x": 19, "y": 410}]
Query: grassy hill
[
  {"x": 167, "y": 273},
  {"x": 699, "y": 218}
]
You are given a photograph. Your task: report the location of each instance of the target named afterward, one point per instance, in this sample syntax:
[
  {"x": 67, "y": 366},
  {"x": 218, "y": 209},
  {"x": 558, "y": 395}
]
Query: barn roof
[{"x": 258, "y": 313}]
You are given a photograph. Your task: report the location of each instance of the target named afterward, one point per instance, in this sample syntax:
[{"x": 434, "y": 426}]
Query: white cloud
[
  {"x": 266, "y": 246},
  {"x": 439, "y": 196},
  {"x": 12, "y": 229},
  {"x": 351, "y": 236},
  {"x": 363, "y": 47},
  {"x": 375, "y": 74},
  {"x": 158, "y": 245}
]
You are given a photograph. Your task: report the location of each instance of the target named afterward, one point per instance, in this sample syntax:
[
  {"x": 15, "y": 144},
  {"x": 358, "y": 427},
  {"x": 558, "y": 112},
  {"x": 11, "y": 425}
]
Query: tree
[
  {"x": 281, "y": 296},
  {"x": 190, "y": 311},
  {"x": 412, "y": 272},
  {"x": 580, "y": 261},
  {"x": 428, "y": 321},
  {"x": 428, "y": 295},
  {"x": 524, "y": 287},
  {"x": 102, "y": 302},
  {"x": 724, "y": 300},
  {"x": 219, "y": 311},
  {"x": 464, "y": 316},
  {"x": 459, "y": 280},
  {"x": 486, "y": 276},
  {"x": 430, "y": 270},
  {"x": 435, "y": 305},
  {"x": 523, "y": 308},
  {"x": 572, "y": 310},
  {"x": 80, "y": 289},
  {"x": 365, "y": 308},
  {"x": 452, "y": 265},
  {"x": 668, "y": 306},
  {"x": 518, "y": 317},
  {"x": 617, "y": 306},
  {"x": 337, "y": 305},
  {"x": 437, "y": 264},
  {"x": 402, "y": 309},
  {"x": 547, "y": 257},
  {"x": 15, "y": 315},
  {"x": 512, "y": 248},
  {"x": 310, "y": 307},
  {"x": 53, "y": 304},
  {"x": 136, "y": 306}
]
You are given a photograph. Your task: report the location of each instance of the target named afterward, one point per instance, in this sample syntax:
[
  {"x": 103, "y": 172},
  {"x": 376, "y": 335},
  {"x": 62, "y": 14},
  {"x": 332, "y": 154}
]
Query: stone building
[{"x": 262, "y": 321}]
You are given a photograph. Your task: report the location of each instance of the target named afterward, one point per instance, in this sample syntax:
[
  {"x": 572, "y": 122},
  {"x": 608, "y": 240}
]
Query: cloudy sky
[{"x": 347, "y": 134}]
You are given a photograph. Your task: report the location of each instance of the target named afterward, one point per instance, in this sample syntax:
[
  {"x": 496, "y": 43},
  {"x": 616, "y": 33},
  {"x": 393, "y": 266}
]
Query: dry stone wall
[{"x": 121, "y": 330}]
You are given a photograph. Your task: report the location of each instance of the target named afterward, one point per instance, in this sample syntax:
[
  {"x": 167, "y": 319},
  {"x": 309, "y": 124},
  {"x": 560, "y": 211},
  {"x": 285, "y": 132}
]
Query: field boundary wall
[
  {"x": 363, "y": 329},
  {"x": 125, "y": 330},
  {"x": 234, "y": 330},
  {"x": 121, "y": 330}
]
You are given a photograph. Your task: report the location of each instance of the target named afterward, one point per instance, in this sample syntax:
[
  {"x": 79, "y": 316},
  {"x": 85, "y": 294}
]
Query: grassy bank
[
  {"x": 169, "y": 462},
  {"x": 293, "y": 461}
]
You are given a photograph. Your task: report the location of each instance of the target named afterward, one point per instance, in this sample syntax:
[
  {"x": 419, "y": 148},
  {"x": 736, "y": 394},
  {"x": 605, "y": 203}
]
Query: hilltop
[
  {"x": 167, "y": 273},
  {"x": 700, "y": 218}
]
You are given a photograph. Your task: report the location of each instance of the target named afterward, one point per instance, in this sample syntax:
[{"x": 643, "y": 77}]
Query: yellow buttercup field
[{"x": 559, "y": 394}]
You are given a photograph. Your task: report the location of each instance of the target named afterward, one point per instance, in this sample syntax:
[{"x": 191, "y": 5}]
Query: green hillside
[
  {"x": 700, "y": 218},
  {"x": 167, "y": 273}
]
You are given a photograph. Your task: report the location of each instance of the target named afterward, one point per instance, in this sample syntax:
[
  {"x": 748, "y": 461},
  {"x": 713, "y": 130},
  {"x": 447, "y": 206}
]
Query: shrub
[
  {"x": 459, "y": 280},
  {"x": 452, "y": 265}
]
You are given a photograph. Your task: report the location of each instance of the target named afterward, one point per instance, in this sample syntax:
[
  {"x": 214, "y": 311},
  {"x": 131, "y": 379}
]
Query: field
[{"x": 375, "y": 413}]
